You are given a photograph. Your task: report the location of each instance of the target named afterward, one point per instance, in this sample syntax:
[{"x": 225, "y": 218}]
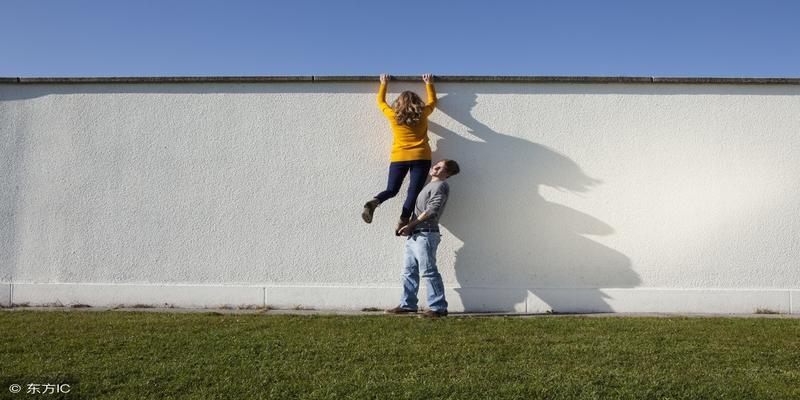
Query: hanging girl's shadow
[{"x": 514, "y": 239}]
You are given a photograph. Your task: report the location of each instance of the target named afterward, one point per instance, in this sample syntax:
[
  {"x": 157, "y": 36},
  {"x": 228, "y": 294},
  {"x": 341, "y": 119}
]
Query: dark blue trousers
[{"x": 397, "y": 172}]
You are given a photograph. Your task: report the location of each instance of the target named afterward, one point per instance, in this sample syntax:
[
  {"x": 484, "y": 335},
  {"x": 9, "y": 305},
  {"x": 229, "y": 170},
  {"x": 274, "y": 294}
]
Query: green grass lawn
[{"x": 113, "y": 354}]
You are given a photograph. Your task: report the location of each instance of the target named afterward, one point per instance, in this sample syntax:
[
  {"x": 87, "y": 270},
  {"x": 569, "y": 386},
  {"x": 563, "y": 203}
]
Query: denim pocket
[{"x": 432, "y": 240}]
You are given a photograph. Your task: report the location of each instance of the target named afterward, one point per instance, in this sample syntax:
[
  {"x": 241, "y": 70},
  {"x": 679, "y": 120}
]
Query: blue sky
[{"x": 300, "y": 37}]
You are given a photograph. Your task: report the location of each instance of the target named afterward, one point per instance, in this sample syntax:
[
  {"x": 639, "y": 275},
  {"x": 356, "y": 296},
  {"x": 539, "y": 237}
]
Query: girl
[{"x": 408, "y": 117}]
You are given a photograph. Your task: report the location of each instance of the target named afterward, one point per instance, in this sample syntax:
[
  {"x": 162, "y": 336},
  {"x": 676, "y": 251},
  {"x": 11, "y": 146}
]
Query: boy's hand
[
  {"x": 384, "y": 78},
  {"x": 405, "y": 231},
  {"x": 427, "y": 78}
]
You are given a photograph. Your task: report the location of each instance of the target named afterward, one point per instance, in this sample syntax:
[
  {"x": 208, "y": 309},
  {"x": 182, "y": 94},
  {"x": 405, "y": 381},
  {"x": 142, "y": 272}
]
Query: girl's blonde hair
[{"x": 408, "y": 108}]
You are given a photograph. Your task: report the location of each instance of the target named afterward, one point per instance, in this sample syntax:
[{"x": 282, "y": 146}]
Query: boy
[{"x": 423, "y": 239}]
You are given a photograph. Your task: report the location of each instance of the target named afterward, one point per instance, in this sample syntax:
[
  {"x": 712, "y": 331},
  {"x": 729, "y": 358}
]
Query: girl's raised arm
[
  {"x": 431, "y": 104},
  {"x": 382, "y": 94}
]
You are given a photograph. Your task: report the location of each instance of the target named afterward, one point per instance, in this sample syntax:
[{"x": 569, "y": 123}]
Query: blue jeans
[
  {"x": 397, "y": 172},
  {"x": 420, "y": 254}
]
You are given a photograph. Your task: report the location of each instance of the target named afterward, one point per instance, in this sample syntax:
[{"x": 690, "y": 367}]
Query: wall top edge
[{"x": 446, "y": 78}]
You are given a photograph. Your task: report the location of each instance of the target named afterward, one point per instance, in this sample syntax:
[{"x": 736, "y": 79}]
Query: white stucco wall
[{"x": 572, "y": 197}]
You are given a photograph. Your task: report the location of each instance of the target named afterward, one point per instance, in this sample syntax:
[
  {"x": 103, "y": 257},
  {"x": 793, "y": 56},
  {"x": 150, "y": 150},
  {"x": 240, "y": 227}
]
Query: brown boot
[
  {"x": 369, "y": 209},
  {"x": 433, "y": 314},
  {"x": 401, "y": 223},
  {"x": 399, "y": 310}
]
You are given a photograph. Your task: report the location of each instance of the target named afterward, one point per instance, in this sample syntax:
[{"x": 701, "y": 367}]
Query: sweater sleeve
[
  {"x": 431, "y": 104},
  {"x": 382, "y": 101},
  {"x": 437, "y": 201}
]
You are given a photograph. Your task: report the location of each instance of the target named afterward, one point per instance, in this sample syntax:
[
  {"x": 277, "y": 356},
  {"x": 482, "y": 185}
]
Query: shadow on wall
[{"x": 513, "y": 237}]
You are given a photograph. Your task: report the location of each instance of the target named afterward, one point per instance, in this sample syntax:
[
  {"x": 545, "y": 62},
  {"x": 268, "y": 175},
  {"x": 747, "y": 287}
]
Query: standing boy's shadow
[{"x": 514, "y": 239}]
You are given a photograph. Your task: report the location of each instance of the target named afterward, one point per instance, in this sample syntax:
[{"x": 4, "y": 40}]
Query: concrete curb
[{"x": 262, "y": 311}]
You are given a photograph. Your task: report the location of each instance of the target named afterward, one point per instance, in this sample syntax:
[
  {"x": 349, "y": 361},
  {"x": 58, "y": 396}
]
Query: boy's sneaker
[
  {"x": 433, "y": 314},
  {"x": 399, "y": 310}
]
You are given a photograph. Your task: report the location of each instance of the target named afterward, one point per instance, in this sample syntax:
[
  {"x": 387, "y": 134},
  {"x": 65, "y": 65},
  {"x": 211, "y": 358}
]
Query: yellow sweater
[{"x": 410, "y": 143}]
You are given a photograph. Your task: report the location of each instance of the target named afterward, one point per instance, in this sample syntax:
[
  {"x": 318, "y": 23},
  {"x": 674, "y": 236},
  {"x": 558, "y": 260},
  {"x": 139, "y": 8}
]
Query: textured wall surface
[{"x": 587, "y": 187}]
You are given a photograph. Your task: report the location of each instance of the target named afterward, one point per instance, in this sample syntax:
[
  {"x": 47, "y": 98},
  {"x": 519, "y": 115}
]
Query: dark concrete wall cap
[
  {"x": 408, "y": 78},
  {"x": 171, "y": 79},
  {"x": 761, "y": 81},
  {"x": 547, "y": 79}
]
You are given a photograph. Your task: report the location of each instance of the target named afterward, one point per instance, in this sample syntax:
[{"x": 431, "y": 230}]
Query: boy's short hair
[{"x": 451, "y": 166}]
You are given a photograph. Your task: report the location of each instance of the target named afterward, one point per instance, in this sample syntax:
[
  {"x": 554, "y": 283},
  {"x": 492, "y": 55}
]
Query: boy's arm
[
  {"x": 422, "y": 217},
  {"x": 435, "y": 203},
  {"x": 432, "y": 208},
  {"x": 406, "y": 230}
]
